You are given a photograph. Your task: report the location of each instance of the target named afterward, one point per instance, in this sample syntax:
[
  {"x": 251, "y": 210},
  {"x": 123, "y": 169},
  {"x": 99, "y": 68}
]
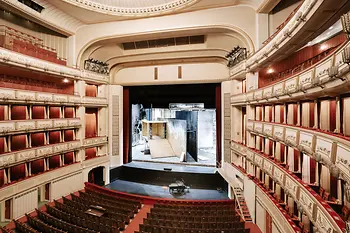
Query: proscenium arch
[{"x": 96, "y": 43}]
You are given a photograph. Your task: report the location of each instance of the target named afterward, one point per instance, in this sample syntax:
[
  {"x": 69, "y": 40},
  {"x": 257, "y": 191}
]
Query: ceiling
[{"x": 98, "y": 11}]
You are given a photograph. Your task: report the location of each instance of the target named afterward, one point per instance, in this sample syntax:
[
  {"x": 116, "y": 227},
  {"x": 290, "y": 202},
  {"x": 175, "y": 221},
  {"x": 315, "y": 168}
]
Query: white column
[
  {"x": 262, "y": 29},
  {"x": 71, "y": 51}
]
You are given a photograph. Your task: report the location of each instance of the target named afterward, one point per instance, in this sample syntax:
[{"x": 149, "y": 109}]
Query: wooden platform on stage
[{"x": 160, "y": 148}]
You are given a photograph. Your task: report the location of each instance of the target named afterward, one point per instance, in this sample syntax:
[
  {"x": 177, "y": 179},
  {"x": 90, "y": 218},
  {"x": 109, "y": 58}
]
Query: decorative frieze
[
  {"x": 325, "y": 148},
  {"x": 307, "y": 203},
  {"x": 95, "y": 141},
  {"x": 323, "y": 223},
  {"x": 278, "y": 133},
  {"x": 291, "y": 86},
  {"x": 268, "y": 130},
  {"x": 306, "y": 79},
  {"x": 291, "y": 136},
  {"x": 307, "y": 143}
]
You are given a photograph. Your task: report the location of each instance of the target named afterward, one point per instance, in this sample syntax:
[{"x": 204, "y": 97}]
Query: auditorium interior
[{"x": 174, "y": 116}]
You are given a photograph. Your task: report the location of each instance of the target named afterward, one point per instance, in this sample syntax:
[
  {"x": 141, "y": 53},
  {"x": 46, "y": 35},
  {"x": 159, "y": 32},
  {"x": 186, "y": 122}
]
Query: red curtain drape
[
  {"x": 69, "y": 135},
  {"x": 282, "y": 152},
  {"x": 18, "y": 172},
  {"x": 282, "y": 113},
  {"x": 19, "y": 112},
  {"x": 2, "y": 177},
  {"x": 91, "y": 90},
  {"x": 69, "y": 112},
  {"x": 54, "y": 137},
  {"x": 54, "y": 162},
  {"x": 37, "y": 166},
  {"x": 54, "y": 112},
  {"x": 296, "y": 160},
  {"x": 312, "y": 114},
  {"x": 312, "y": 170},
  {"x": 2, "y": 112},
  {"x": 295, "y": 114},
  {"x": 270, "y": 147},
  {"x": 18, "y": 142},
  {"x": 91, "y": 123},
  {"x": 90, "y": 153},
  {"x": 68, "y": 158},
  {"x": 333, "y": 114},
  {"x": 38, "y": 139},
  {"x": 38, "y": 112},
  {"x": 334, "y": 187}
]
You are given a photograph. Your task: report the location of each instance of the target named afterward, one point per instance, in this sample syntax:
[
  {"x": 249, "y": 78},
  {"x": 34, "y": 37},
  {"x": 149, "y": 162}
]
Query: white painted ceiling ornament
[{"x": 132, "y": 7}]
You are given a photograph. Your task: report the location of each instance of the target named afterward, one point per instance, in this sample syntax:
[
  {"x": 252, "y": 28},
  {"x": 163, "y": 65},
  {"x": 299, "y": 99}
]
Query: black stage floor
[{"x": 150, "y": 179}]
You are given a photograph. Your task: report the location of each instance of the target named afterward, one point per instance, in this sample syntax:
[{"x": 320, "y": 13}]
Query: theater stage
[{"x": 150, "y": 179}]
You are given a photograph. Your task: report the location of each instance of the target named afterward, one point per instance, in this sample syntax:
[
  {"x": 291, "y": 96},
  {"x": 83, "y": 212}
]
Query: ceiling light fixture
[
  {"x": 65, "y": 80},
  {"x": 331, "y": 28},
  {"x": 270, "y": 71},
  {"x": 323, "y": 47}
]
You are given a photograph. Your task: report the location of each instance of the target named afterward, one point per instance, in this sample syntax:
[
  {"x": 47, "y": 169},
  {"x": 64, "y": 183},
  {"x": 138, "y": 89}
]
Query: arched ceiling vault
[{"x": 218, "y": 42}]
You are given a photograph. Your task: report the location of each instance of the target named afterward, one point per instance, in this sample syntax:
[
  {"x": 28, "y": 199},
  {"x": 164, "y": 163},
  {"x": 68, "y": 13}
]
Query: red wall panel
[
  {"x": 296, "y": 160},
  {"x": 68, "y": 135},
  {"x": 54, "y": 162},
  {"x": 38, "y": 139},
  {"x": 312, "y": 170},
  {"x": 91, "y": 90},
  {"x": 19, "y": 112},
  {"x": 37, "y": 166},
  {"x": 54, "y": 112},
  {"x": 2, "y": 112},
  {"x": 69, "y": 112},
  {"x": 91, "y": 123},
  {"x": 32, "y": 84},
  {"x": 18, "y": 172},
  {"x": 90, "y": 153},
  {"x": 38, "y": 112},
  {"x": 300, "y": 60},
  {"x": 54, "y": 137},
  {"x": 68, "y": 158},
  {"x": 18, "y": 142}
]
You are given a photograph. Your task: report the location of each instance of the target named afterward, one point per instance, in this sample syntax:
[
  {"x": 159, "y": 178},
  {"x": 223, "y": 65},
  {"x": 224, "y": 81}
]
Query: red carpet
[
  {"x": 253, "y": 227},
  {"x": 138, "y": 219}
]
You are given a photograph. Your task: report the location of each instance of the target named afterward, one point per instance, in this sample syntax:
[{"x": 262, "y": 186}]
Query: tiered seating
[
  {"x": 193, "y": 217},
  {"x": 115, "y": 197},
  {"x": 25, "y": 228},
  {"x": 83, "y": 206},
  {"x": 78, "y": 217},
  {"x": 60, "y": 224},
  {"x": 41, "y": 226}
]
